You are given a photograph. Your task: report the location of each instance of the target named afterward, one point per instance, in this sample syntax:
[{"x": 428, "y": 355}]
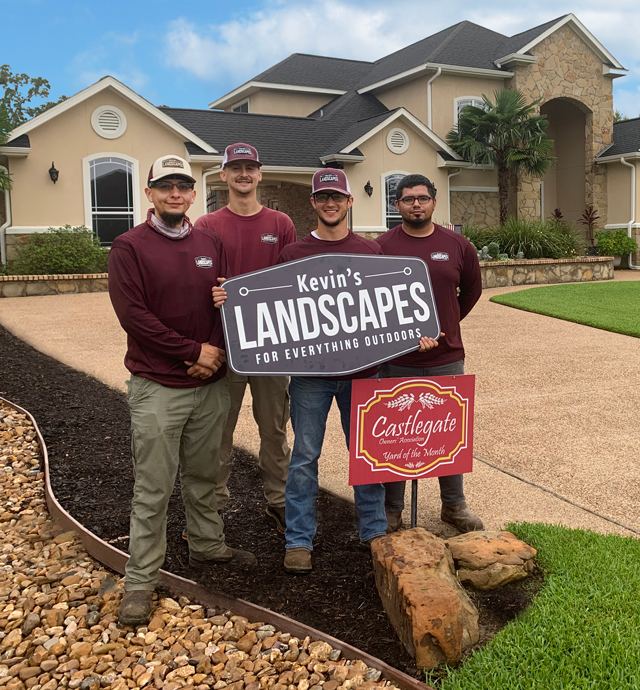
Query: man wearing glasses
[
  {"x": 253, "y": 236},
  {"x": 160, "y": 278},
  {"x": 457, "y": 285}
]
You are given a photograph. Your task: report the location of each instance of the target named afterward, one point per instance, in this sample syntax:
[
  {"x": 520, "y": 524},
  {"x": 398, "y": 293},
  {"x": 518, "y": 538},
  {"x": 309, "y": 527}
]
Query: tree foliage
[
  {"x": 618, "y": 116},
  {"x": 5, "y": 177},
  {"x": 19, "y": 90},
  {"x": 508, "y": 133}
]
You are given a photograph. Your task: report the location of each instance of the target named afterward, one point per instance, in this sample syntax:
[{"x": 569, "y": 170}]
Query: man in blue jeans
[
  {"x": 457, "y": 285},
  {"x": 312, "y": 397}
]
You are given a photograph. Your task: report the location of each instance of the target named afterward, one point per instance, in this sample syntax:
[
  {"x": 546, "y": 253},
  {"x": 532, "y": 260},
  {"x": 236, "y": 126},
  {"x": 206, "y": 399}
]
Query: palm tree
[{"x": 507, "y": 133}]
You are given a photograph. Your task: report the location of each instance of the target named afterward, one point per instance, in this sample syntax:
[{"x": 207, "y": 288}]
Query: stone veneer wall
[
  {"x": 476, "y": 208},
  {"x": 545, "y": 271},
  {"x": 568, "y": 68},
  {"x": 28, "y": 286}
]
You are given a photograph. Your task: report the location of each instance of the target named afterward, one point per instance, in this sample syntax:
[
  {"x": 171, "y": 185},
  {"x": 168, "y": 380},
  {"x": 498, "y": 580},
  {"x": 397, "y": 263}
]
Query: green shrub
[
  {"x": 477, "y": 236},
  {"x": 615, "y": 243},
  {"x": 62, "y": 250}
]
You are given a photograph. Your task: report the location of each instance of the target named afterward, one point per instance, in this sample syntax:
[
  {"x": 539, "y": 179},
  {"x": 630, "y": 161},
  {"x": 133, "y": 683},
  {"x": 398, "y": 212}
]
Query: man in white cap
[
  {"x": 160, "y": 277},
  {"x": 253, "y": 236}
]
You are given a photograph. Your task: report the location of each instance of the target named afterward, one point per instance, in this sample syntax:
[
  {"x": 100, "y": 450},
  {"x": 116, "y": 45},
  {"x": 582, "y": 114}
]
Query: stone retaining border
[
  {"x": 494, "y": 274},
  {"x": 63, "y": 284},
  {"x": 581, "y": 269},
  {"x": 178, "y": 586}
]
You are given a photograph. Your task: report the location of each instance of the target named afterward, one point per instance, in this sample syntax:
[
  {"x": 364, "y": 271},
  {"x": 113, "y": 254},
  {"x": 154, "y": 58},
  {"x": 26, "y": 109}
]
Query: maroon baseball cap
[
  {"x": 330, "y": 180},
  {"x": 240, "y": 152}
]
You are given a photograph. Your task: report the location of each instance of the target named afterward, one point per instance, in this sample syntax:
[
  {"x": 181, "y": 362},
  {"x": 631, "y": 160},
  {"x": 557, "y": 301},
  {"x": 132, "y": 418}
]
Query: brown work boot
[
  {"x": 298, "y": 561},
  {"x": 394, "y": 521},
  {"x": 461, "y": 517},
  {"x": 135, "y": 607},
  {"x": 235, "y": 555}
]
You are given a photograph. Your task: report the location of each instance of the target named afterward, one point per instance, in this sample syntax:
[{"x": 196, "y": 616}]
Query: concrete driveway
[{"x": 557, "y": 405}]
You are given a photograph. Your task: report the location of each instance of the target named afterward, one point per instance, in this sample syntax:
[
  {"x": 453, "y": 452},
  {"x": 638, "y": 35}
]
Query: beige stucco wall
[
  {"x": 295, "y": 104},
  {"x": 412, "y": 95},
  {"x": 564, "y": 184},
  {"x": 421, "y": 157},
  {"x": 619, "y": 185},
  {"x": 66, "y": 140}
]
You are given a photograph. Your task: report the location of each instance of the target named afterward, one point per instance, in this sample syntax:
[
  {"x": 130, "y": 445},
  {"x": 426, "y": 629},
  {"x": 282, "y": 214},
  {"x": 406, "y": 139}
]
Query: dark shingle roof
[
  {"x": 316, "y": 71},
  {"x": 518, "y": 41},
  {"x": 626, "y": 138},
  {"x": 21, "y": 141}
]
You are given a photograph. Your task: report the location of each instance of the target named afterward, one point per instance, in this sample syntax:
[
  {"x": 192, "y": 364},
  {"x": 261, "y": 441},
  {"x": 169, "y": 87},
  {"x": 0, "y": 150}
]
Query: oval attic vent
[
  {"x": 398, "y": 141},
  {"x": 108, "y": 121}
]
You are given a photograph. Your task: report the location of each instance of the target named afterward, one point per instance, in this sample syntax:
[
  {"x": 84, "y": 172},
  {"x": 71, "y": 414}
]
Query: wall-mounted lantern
[
  {"x": 53, "y": 173},
  {"x": 368, "y": 188}
]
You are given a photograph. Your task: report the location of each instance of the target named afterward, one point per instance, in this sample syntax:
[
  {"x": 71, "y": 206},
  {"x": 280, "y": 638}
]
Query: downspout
[
  {"x": 633, "y": 207},
  {"x": 433, "y": 78},
  {"x": 4, "y": 226},
  {"x": 449, "y": 176}
]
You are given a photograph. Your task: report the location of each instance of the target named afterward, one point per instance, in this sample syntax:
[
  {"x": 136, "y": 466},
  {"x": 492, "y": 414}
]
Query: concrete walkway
[{"x": 557, "y": 404}]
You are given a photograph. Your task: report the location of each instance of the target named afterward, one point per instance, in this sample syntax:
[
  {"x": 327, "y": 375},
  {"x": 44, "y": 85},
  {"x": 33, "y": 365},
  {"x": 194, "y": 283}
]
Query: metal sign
[
  {"x": 327, "y": 315},
  {"x": 411, "y": 428}
]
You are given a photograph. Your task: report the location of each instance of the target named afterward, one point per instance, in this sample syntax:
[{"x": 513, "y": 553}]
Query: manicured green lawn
[
  {"x": 582, "y": 630},
  {"x": 608, "y": 305}
]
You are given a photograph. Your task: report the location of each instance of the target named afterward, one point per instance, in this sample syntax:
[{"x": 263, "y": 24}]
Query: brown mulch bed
[{"x": 86, "y": 427}]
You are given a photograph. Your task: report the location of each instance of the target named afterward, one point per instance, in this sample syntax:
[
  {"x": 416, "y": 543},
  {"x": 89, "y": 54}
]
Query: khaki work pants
[
  {"x": 173, "y": 429},
  {"x": 271, "y": 411}
]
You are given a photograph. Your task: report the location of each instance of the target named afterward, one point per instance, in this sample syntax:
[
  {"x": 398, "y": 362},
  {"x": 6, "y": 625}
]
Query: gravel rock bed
[{"x": 58, "y": 613}]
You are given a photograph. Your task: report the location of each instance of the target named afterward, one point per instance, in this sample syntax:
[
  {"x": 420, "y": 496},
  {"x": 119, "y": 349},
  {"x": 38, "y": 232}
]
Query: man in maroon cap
[
  {"x": 160, "y": 279},
  {"x": 253, "y": 236}
]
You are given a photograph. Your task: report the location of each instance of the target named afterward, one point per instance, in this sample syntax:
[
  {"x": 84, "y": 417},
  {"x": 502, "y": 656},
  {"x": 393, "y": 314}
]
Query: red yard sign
[{"x": 411, "y": 428}]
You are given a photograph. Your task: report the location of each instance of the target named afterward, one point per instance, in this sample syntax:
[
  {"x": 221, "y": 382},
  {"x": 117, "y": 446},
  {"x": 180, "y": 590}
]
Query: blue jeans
[{"x": 311, "y": 400}]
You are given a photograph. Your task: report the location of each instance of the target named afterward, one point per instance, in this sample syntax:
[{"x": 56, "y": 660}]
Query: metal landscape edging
[{"x": 179, "y": 586}]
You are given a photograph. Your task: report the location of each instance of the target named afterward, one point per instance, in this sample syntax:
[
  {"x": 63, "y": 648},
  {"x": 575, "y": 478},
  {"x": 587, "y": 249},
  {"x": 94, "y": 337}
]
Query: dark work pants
[{"x": 451, "y": 487}]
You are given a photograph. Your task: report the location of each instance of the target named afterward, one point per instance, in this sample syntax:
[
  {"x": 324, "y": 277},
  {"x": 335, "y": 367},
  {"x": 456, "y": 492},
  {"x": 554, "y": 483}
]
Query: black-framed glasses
[
  {"x": 411, "y": 200},
  {"x": 337, "y": 197},
  {"x": 165, "y": 186}
]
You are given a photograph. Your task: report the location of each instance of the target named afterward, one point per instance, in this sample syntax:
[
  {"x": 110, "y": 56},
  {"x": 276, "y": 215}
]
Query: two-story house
[{"x": 377, "y": 120}]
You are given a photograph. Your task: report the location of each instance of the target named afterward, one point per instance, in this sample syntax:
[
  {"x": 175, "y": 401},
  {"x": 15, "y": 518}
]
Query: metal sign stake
[{"x": 414, "y": 503}]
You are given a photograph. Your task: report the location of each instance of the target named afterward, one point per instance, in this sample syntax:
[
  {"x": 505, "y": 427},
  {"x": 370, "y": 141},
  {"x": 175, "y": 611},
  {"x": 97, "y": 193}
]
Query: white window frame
[
  {"x": 239, "y": 103},
  {"x": 86, "y": 181},
  {"x": 456, "y": 105},
  {"x": 383, "y": 188}
]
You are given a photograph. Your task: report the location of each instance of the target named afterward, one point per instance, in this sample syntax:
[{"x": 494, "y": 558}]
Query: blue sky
[{"x": 187, "y": 54}]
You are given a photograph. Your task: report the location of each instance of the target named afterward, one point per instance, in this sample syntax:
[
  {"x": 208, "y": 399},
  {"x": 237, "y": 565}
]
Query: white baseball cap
[{"x": 169, "y": 166}]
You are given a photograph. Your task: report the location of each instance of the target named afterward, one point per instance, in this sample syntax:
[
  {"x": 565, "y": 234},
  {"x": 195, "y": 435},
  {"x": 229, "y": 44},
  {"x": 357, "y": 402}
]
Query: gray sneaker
[
  {"x": 235, "y": 555},
  {"x": 278, "y": 516},
  {"x": 135, "y": 607},
  {"x": 298, "y": 561}
]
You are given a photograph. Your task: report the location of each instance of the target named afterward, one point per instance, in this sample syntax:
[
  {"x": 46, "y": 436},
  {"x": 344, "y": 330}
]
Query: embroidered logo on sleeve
[
  {"x": 269, "y": 238},
  {"x": 204, "y": 262},
  {"x": 439, "y": 256}
]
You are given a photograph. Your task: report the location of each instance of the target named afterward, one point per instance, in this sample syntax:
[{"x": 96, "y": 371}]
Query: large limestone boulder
[
  {"x": 433, "y": 616},
  {"x": 486, "y": 560}
]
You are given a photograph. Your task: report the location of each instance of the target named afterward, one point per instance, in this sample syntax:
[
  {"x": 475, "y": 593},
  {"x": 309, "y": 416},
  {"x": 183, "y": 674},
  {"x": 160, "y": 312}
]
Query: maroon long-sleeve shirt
[
  {"x": 251, "y": 242},
  {"x": 160, "y": 289},
  {"x": 457, "y": 285},
  {"x": 351, "y": 244}
]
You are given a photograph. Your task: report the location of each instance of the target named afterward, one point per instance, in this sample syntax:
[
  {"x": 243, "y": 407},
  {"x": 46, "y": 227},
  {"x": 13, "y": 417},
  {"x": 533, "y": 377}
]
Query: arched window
[
  {"x": 462, "y": 102},
  {"x": 393, "y": 218},
  {"x": 109, "y": 200}
]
